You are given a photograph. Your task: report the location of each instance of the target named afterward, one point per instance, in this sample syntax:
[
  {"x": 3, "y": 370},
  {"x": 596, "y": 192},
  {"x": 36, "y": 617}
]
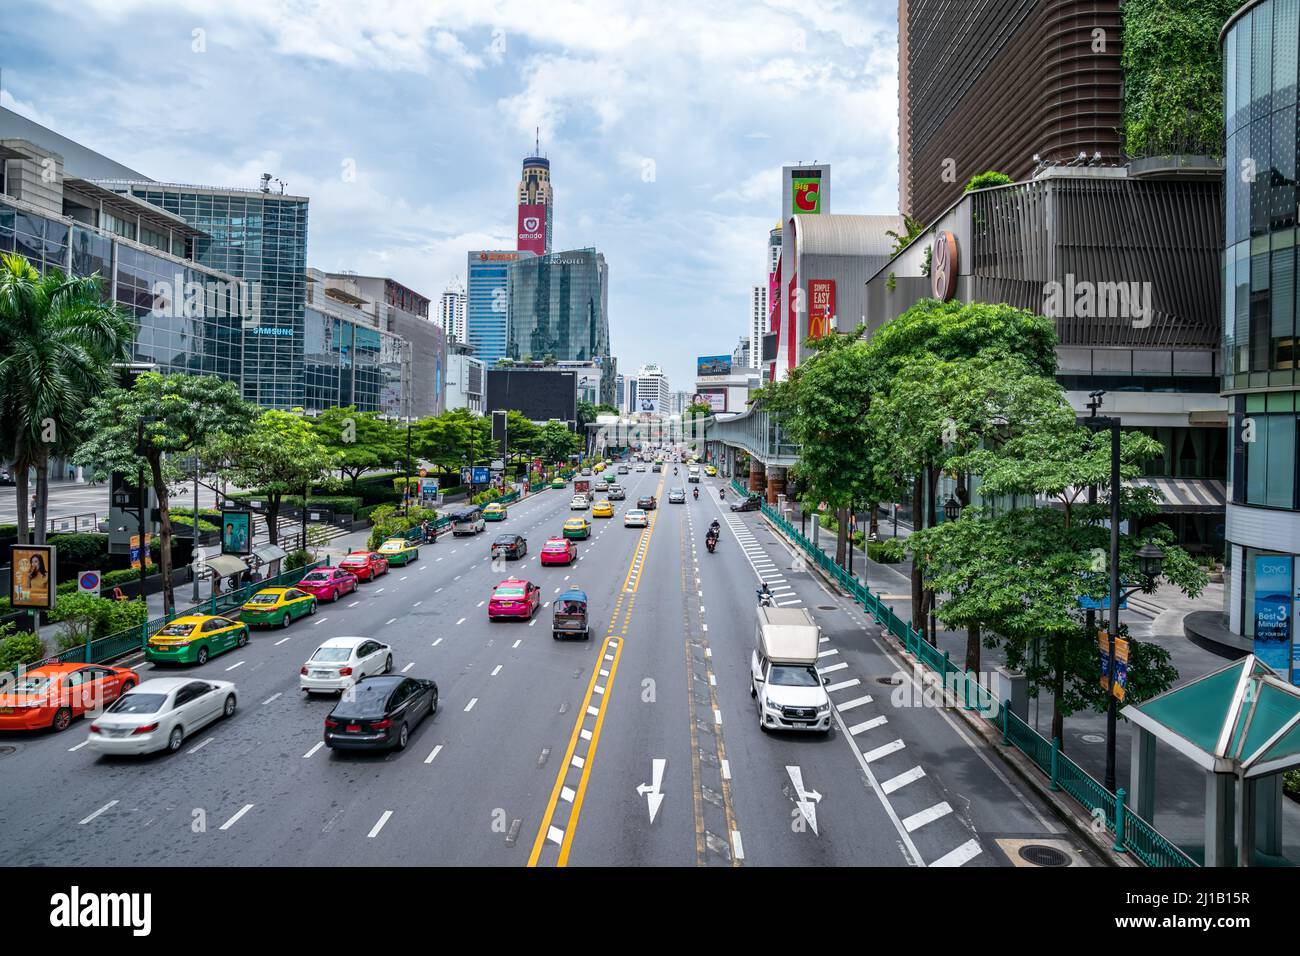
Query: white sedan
[
  {"x": 342, "y": 661},
  {"x": 159, "y": 714},
  {"x": 579, "y": 503},
  {"x": 635, "y": 518}
]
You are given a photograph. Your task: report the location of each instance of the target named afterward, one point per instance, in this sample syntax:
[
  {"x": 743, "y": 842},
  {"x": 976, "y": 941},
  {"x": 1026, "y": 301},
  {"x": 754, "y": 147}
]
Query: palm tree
[{"x": 59, "y": 341}]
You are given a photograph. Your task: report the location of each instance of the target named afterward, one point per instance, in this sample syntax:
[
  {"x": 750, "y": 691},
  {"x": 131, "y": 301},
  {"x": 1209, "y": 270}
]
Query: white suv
[{"x": 579, "y": 503}]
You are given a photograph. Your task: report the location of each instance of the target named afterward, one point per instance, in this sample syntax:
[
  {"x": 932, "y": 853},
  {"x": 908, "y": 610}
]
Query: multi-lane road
[{"x": 638, "y": 747}]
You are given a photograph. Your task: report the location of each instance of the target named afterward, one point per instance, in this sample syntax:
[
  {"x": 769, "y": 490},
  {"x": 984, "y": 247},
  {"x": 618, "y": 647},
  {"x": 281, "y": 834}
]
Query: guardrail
[
  {"x": 1132, "y": 833},
  {"x": 133, "y": 639}
]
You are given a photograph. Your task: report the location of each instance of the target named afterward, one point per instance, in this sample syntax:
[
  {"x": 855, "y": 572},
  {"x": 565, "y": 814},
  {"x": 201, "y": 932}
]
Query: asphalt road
[{"x": 544, "y": 752}]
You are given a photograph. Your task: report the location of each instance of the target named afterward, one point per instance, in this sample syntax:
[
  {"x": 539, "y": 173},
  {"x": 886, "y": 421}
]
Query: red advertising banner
[
  {"x": 821, "y": 307},
  {"x": 532, "y": 228},
  {"x": 792, "y": 330}
]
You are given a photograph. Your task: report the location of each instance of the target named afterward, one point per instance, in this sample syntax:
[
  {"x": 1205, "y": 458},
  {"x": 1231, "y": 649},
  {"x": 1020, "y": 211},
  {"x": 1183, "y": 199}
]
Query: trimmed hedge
[{"x": 19, "y": 647}]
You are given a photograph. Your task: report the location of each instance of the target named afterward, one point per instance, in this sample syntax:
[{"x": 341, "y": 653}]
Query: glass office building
[
  {"x": 259, "y": 237},
  {"x": 201, "y": 335},
  {"x": 346, "y": 363},
  {"x": 486, "y": 298},
  {"x": 1261, "y": 375},
  {"x": 558, "y": 304}
]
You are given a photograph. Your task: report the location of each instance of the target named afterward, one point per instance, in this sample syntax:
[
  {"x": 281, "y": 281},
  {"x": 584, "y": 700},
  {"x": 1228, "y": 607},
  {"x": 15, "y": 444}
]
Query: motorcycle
[
  {"x": 722, "y": 494},
  {"x": 711, "y": 541},
  {"x": 764, "y": 598},
  {"x": 697, "y": 494}
]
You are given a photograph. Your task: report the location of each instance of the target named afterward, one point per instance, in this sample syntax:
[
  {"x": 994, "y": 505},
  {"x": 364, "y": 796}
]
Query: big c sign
[{"x": 943, "y": 266}]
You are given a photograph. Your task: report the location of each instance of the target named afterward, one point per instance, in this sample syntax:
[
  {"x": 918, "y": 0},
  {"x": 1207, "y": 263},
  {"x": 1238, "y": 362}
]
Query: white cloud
[{"x": 436, "y": 102}]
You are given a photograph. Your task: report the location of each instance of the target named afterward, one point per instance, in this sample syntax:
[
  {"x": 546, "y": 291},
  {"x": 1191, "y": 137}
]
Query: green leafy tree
[
  {"x": 279, "y": 455},
  {"x": 522, "y": 436},
  {"x": 911, "y": 229},
  {"x": 359, "y": 441},
  {"x": 59, "y": 341},
  {"x": 556, "y": 443},
  {"x": 174, "y": 415}
]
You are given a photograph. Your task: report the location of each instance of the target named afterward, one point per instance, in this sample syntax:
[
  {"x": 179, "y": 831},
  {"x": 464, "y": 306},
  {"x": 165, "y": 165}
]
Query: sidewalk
[{"x": 1155, "y": 618}]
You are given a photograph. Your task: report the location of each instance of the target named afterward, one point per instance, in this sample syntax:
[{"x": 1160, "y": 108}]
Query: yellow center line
[{"x": 643, "y": 548}]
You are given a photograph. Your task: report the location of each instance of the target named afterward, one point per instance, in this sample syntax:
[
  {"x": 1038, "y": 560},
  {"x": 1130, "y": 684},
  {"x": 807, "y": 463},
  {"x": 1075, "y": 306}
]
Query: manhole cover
[
  {"x": 827, "y": 607},
  {"x": 1093, "y": 739},
  {"x": 889, "y": 680},
  {"x": 1040, "y": 855},
  {"x": 6, "y": 751}
]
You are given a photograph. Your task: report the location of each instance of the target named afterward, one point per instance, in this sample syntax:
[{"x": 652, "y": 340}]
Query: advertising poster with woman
[
  {"x": 32, "y": 583},
  {"x": 236, "y": 532}
]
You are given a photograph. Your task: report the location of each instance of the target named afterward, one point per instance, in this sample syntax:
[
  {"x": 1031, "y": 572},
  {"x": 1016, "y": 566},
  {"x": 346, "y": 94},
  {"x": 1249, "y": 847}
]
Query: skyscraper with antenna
[{"x": 536, "y": 202}]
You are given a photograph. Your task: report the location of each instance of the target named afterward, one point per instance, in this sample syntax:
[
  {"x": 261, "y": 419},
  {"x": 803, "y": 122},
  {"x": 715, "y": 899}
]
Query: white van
[
  {"x": 783, "y": 677},
  {"x": 693, "y": 473}
]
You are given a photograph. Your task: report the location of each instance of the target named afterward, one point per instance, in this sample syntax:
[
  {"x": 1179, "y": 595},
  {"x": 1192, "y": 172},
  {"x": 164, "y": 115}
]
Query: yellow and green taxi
[
  {"x": 600, "y": 466},
  {"x": 494, "y": 511},
  {"x": 399, "y": 551},
  {"x": 194, "y": 638},
  {"x": 276, "y": 607},
  {"x": 559, "y": 483},
  {"x": 711, "y": 471},
  {"x": 579, "y": 528},
  {"x": 602, "y": 509}
]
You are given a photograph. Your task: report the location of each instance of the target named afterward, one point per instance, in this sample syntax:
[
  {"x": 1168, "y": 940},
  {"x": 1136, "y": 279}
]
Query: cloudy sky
[{"x": 405, "y": 122}]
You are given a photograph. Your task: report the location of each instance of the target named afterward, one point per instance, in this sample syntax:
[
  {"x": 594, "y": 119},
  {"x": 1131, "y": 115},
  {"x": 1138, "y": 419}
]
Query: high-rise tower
[{"x": 536, "y": 204}]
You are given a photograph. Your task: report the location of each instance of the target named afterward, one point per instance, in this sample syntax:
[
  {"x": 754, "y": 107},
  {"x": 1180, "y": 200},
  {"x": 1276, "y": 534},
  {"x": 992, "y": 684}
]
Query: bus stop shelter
[{"x": 1241, "y": 725}]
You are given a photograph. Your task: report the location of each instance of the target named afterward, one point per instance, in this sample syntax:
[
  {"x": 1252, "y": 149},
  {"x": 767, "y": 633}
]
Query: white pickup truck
[{"x": 783, "y": 677}]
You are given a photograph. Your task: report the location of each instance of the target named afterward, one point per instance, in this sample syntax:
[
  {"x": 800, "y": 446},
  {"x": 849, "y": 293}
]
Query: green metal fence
[
  {"x": 963, "y": 689},
  {"x": 133, "y": 639}
]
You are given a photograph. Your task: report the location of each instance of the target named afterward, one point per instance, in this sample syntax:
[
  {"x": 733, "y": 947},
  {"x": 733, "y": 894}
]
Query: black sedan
[
  {"x": 510, "y": 545},
  {"x": 379, "y": 713},
  {"x": 648, "y": 503},
  {"x": 752, "y": 503}
]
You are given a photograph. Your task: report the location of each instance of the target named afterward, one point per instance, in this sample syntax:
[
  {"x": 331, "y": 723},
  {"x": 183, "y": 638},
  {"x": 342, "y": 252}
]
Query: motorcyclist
[
  {"x": 697, "y": 493},
  {"x": 764, "y": 595},
  {"x": 722, "y": 494}
]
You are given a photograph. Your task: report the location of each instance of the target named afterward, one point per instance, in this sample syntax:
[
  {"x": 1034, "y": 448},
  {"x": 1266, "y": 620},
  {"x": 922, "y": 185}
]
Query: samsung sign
[{"x": 270, "y": 330}]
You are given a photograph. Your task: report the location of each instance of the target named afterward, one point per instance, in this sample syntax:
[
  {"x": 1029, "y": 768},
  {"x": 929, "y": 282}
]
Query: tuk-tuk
[{"x": 570, "y": 616}]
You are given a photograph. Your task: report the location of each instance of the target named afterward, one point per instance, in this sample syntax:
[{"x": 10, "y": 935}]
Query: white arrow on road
[
  {"x": 806, "y": 800},
  {"x": 651, "y": 790}
]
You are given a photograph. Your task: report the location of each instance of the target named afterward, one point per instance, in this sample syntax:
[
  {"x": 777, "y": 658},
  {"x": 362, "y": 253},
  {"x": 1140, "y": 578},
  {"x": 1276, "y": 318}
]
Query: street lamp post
[
  {"x": 1150, "y": 560},
  {"x": 194, "y": 574},
  {"x": 951, "y": 512},
  {"x": 406, "y": 510}
]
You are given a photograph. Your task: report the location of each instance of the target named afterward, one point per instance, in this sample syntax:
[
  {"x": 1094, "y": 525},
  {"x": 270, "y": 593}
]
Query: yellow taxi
[
  {"x": 600, "y": 466},
  {"x": 578, "y": 528},
  {"x": 494, "y": 511},
  {"x": 277, "y": 607},
  {"x": 194, "y": 638},
  {"x": 399, "y": 551},
  {"x": 711, "y": 471},
  {"x": 602, "y": 509}
]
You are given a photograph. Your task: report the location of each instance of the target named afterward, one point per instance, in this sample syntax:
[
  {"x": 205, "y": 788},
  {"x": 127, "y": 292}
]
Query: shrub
[
  {"x": 19, "y": 648},
  {"x": 80, "y": 548},
  {"x": 297, "y": 559}
]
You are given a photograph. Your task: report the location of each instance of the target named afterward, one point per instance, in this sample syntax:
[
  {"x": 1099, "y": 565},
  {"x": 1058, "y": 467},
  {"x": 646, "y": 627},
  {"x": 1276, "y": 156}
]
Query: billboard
[
  {"x": 805, "y": 193},
  {"x": 1273, "y": 611},
  {"x": 538, "y": 394},
  {"x": 532, "y": 228},
  {"x": 35, "y": 570},
  {"x": 821, "y": 307},
  {"x": 237, "y": 532},
  {"x": 713, "y": 365},
  {"x": 717, "y": 401},
  {"x": 649, "y": 406}
]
